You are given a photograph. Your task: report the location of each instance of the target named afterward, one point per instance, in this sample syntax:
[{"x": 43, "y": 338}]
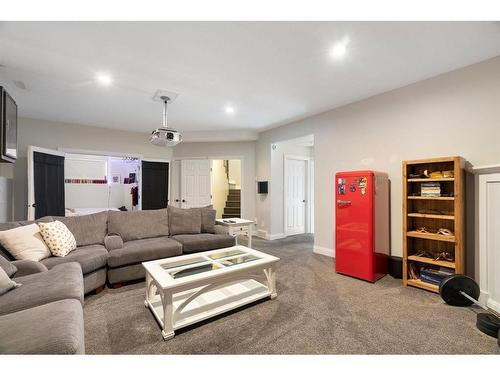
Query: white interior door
[
  {"x": 295, "y": 196},
  {"x": 31, "y": 175},
  {"x": 196, "y": 188}
]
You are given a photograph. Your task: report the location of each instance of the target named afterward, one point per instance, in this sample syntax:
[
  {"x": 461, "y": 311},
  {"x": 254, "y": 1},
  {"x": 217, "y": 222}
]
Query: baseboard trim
[
  {"x": 324, "y": 251},
  {"x": 276, "y": 236}
]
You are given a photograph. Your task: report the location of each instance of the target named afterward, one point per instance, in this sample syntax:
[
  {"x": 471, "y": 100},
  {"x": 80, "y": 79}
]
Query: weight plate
[
  {"x": 488, "y": 323},
  {"x": 450, "y": 288}
]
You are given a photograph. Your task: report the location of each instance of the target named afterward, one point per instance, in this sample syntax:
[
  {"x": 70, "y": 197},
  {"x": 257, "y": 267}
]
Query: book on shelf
[{"x": 430, "y": 189}]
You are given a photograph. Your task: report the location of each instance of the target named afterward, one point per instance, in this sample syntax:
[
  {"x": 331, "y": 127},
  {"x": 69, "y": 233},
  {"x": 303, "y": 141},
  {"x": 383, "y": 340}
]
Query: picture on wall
[
  {"x": 115, "y": 178},
  {"x": 8, "y": 121}
]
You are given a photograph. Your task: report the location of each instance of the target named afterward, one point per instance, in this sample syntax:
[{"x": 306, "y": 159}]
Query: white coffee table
[
  {"x": 238, "y": 227},
  {"x": 185, "y": 290}
]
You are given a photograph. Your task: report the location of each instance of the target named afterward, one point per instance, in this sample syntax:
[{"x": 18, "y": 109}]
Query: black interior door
[
  {"x": 154, "y": 185},
  {"x": 48, "y": 174}
]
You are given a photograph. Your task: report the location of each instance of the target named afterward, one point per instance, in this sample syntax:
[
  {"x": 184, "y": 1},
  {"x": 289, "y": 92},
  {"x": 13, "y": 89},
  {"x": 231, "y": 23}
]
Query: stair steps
[{"x": 233, "y": 204}]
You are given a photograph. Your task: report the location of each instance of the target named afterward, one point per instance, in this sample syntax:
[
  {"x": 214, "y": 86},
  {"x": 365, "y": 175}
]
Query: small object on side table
[{"x": 238, "y": 227}]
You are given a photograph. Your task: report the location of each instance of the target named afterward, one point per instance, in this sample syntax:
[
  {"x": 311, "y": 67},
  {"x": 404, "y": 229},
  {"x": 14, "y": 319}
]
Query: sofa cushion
[
  {"x": 193, "y": 243},
  {"x": 208, "y": 219},
  {"x": 54, "y": 328},
  {"x": 7, "y": 266},
  {"x": 184, "y": 220},
  {"x": 91, "y": 258},
  {"x": 28, "y": 267},
  {"x": 58, "y": 238},
  {"x": 87, "y": 229},
  {"x": 61, "y": 282},
  {"x": 143, "y": 250},
  {"x": 137, "y": 225},
  {"x": 25, "y": 242}
]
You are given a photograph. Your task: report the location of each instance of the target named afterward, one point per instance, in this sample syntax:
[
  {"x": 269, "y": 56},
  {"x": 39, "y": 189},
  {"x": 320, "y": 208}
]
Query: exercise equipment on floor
[{"x": 461, "y": 290}]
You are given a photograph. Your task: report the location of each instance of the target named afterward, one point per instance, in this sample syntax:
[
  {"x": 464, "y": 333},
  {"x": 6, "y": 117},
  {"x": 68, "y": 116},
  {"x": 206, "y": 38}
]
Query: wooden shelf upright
[{"x": 433, "y": 213}]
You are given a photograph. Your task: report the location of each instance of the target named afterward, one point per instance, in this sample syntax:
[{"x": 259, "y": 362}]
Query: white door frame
[
  {"x": 31, "y": 175},
  {"x": 486, "y": 272},
  {"x": 308, "y": 187},
  {"x": 233, "y": 157}
]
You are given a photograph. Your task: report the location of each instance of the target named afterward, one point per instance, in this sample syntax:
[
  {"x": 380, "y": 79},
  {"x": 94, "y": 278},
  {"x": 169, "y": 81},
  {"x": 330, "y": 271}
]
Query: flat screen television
[{"x": 8, "y": 122}]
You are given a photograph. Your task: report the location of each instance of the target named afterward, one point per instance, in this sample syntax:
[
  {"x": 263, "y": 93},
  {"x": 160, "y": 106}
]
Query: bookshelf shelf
[
  {"x": 416, "y": 197},
  {"x": 430, "y": 236},
  {"x": 440, "y": 263},
  {"x": 423, "y": 285},
  {"x": 452, "y": 207},
  {"x": 431, "y": 179},
  {"x": 432, "y": 216}
]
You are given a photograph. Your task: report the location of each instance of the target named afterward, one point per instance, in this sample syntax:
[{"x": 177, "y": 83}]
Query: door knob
[
  {"x": 183, "y": 201},
  {"x": 177, "y": 200},
  {"x": 303, "y": 201}
]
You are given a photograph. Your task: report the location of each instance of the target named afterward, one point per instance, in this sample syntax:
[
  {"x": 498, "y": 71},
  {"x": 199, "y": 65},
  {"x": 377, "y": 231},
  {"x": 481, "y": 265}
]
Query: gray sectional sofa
[{"x": 110, "y": 247}]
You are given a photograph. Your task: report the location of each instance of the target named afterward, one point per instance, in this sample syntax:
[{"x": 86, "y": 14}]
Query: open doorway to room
[
  {"x": 79, "y": 182},
  {"x": 292, "y": 164},
  {"x": 201, "y": 182},
  {"x": 226, "y": 188}
]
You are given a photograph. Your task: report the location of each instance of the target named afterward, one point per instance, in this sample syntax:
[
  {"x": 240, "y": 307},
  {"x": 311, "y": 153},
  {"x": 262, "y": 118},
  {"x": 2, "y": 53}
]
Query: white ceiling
[{"x": 270, "y": 72}]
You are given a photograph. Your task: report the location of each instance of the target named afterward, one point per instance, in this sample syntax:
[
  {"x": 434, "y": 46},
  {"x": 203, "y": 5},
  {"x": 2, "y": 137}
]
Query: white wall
[
  {"x": 457, "y": 113},
  {"x": 245, "y": 151},
  {"x": 235, "y": 172},
  {"x": 56, "y": 135}
]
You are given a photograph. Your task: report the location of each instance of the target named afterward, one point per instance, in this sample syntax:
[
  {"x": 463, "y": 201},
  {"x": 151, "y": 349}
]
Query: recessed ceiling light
[
  {"x": 229, "y": 109},
  {"x": 104, "y": 79},
  {"x": 339, "y": 50}
]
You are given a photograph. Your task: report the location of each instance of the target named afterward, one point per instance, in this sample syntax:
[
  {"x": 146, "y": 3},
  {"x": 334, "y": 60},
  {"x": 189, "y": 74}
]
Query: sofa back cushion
[
  {"x": 136, "y": 225},
  {"x": 184, "y": 220},
  {"x": 87, "y": 229},
  {"x": 208, "y": 219}
]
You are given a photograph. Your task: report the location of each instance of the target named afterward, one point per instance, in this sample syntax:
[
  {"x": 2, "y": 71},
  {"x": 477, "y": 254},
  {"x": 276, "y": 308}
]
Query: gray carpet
[{"x": 317, "y": 311}]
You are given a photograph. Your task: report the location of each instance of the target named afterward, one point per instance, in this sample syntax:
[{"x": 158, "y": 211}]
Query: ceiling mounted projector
[{"x": 165, "y": 136}]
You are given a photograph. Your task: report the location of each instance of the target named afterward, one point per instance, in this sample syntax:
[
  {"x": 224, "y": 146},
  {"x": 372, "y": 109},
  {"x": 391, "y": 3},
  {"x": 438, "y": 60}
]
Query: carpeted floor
[{"x": 317, "y": 311}]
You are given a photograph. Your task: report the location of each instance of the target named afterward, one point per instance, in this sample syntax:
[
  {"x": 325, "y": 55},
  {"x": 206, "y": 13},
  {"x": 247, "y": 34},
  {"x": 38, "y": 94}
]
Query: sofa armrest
[
  {"x": 28, "y": 267},
  {"x": 220, "y": 229},
  {"x": 113, "y": 242}
]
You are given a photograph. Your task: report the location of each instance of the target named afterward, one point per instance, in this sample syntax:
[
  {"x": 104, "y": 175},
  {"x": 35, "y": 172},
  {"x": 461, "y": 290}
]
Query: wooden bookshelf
[{"x": 433, "y": 213}]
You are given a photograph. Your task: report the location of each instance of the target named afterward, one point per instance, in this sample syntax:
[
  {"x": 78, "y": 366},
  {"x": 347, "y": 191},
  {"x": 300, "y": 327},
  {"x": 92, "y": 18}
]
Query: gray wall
[
  {"x": 55, "y": 134},
  {"x": 457, "y": 113}
]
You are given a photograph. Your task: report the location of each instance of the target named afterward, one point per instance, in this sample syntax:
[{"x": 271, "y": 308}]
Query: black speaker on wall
[
  {"x": 396, "y": 267},
  {"x": 262, "y": 187}
]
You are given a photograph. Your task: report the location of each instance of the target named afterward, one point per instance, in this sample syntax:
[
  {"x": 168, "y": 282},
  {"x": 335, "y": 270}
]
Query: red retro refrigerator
[{"x": 362, "y": 224}]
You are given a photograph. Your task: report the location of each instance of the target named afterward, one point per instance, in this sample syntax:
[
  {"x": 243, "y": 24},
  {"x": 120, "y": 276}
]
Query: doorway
[
  {"x": 155, "y": 177},
  {"x": 208, "y": 181},
  {"x": 292, "y": 165}
]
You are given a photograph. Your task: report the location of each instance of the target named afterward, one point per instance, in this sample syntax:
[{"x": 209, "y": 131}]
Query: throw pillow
[
  {"x": 6, "y": 283},
  {"x": 184, "y": 220},
  {"x": 58, "y": 238},
  {"x": 25, "y": 243},
  {"x": 208, "y": 219},
  {"x": 7, "y": 266}
]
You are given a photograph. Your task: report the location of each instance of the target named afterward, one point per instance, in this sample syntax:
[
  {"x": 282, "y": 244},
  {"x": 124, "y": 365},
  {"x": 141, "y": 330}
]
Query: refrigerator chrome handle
[{"x": 340, "y": 201}]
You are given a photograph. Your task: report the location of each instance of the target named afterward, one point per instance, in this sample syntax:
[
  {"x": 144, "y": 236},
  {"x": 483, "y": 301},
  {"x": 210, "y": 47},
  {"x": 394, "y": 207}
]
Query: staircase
[{"x": 233, "y": 204}]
